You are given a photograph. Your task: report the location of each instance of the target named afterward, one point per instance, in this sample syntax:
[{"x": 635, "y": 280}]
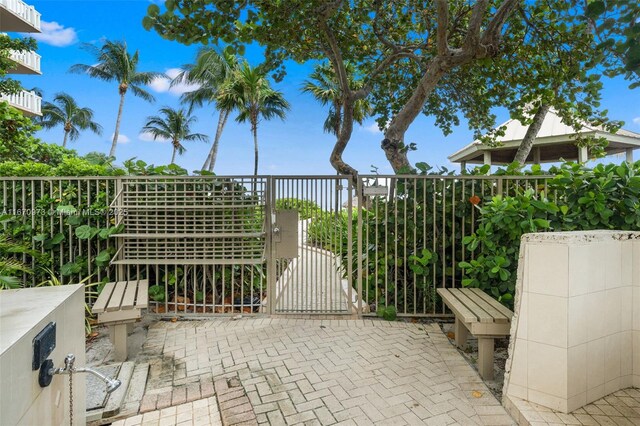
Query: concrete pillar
[
  {"x": 583, "y": 154},
  {"x": 487, "y": 160},
  {"x": 487, "y": 157},
  {"x": 629, "y": 152},
  {"x": 463, "y": 166}
]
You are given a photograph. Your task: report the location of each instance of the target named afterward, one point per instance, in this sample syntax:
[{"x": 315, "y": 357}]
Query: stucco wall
[
  {"x": 576, "y": 328},
  {"x": 23, "y": 314}
]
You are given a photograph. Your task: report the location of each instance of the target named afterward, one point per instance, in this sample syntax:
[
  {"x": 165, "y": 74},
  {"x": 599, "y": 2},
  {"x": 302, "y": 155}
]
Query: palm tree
[
  {"x": 324, "y": 88},
  {"x": 175, "y": 126},
  {"x": 210, "y": 71},
  {"x": 69, "y": 115},
  {"x": 116, "y": 64},
  {"x": 250, "y": 93}
]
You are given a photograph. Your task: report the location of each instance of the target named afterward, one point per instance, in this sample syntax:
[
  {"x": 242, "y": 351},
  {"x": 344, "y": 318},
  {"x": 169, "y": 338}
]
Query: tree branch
[
  {"x": 472, "y": 38},
  {"x": 492, "y": 34},
  {"x": 443, "y": 25}
]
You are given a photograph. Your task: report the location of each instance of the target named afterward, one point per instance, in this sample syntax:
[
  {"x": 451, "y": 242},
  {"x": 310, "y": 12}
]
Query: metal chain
[{"x": 71, "y": 397}]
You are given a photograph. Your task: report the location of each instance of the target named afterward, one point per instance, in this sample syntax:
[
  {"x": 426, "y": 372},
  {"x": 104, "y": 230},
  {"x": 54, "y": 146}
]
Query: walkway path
[
  {"x": 296, "y": 371},
  {"x": 313, "y": 281}
]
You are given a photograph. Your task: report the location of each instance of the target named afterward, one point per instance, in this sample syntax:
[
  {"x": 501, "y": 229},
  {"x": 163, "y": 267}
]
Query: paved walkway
[
  {"x": 313, "y": 281},
  {"x": 295, "y": 371},
  {"x": 203, "y": 412}
]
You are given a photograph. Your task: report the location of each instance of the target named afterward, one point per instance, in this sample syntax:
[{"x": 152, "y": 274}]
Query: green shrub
[
  {"x": 388, "y": 313},
  {"x": 496, "y": 241},
  {"x": 306, "y": 208},
  {"x": 330, "y": 231},
  {"x": 605, "y": 197}
]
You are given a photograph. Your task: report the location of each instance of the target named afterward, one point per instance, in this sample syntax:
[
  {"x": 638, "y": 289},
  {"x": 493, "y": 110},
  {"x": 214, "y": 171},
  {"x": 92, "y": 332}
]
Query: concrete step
[{"x": 124, "y": 401}]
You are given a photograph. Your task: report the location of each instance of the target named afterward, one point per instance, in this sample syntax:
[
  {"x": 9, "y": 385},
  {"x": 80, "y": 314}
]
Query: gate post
[
  {"x": 360, "y": 198},
  {"x": 269, "y": 252},
  {"x": 118, "y": 212}
]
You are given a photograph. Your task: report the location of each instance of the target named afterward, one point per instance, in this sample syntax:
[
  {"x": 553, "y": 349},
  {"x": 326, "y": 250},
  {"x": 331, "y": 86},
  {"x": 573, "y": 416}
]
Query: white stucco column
[
  {"x": 487, "y": 157},
  {"x": 583, "y": 154}
]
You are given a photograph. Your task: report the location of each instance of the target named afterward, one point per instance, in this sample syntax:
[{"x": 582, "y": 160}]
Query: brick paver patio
[{"x": 296, "y": 371}]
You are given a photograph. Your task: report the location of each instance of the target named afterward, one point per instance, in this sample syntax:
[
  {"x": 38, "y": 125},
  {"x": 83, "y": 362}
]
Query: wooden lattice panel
[{"x": 197, "y": 220}]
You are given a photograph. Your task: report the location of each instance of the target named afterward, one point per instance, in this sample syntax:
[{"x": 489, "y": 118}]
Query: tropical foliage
[
  {"x": 605, "y": 197},
  {"x": 210, "y": 72},
  {"x": 174, "y": 126},
  {"x": 443, "y": 59},
  {"x": 325, "y": 88},
  {"x": 115, "y": 63},
  {"x": 69, "y": 115},
  {"x": 249, "y": 92}
]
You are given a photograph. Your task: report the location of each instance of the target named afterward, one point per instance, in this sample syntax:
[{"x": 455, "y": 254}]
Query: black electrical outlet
[{"x": 43, "y": 344}]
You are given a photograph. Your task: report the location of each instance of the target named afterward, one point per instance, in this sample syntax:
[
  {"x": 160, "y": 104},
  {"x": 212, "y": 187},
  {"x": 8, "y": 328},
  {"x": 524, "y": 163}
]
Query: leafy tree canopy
[
  {"x": 441, "y": 58},
  {"x": 7, "y": 45}
]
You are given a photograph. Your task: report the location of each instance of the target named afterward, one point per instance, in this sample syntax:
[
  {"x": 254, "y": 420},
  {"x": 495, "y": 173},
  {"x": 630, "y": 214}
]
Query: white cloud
[
  {"x": 121, "y": 138},
  {"x": 163, "y": 84},
  {"x": 55, "y": 34},
  {"x": 372, "y": 128},
  {"x": 148, "y": 137},
  {"x": 636, "y": 120}
]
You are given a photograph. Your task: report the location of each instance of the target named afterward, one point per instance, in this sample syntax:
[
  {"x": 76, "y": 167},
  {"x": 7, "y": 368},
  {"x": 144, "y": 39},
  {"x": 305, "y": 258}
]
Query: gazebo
[{"x": 555, "y": 142}]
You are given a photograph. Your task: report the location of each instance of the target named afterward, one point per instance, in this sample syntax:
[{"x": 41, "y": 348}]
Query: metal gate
[
  {"x": 311, "y": 264},
  {"x": 212, "y": 244}
]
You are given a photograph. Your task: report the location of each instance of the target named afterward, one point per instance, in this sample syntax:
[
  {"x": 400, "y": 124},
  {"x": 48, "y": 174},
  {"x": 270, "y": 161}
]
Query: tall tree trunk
[
  {"x": 343, "y": 137},
  {"x": 254, "y": 129},
  {"x": 530, "y": 136},
  {"x": 64, "y": 140},
  {"x": 173, "y": 155},
  {"x": 393, "y": 141},
  {"x": 213, "y": 153},
  {"x": 112, "y": 153}
]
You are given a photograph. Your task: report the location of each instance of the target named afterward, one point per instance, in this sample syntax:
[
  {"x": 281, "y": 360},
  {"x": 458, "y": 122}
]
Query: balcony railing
[
  {"x": 27, "y": 62},
  {"x": 27, "y": 102},
  {"x": 29, "y": 16}
]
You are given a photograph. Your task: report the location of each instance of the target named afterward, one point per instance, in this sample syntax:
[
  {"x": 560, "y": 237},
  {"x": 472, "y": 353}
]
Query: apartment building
[{"x": 17, "y": 16}]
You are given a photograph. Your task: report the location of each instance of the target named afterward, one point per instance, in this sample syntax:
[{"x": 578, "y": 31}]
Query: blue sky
[{"x": 296, "y": 146}]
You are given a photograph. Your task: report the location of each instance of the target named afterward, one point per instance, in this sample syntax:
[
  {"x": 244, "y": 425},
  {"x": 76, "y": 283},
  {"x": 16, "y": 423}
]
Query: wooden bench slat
[
  {"x": 482, "y": 315},
  {"x": 142, "y": 299},
  {"x": 460, "y": 310},
  {"x": 488, "y": 307},
  {"x": 129, "y": 298},
  {"x": 116, "y": 297},
  {"x": 497, "y": 305},
  {"x": 101, "y": 303}
]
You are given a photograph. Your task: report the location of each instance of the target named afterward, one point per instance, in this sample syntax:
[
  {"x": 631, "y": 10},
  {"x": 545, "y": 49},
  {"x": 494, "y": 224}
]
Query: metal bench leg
[
  {"x": 461, "y": 333},
  {"x": 119, "y": 341},
  {"x": 485, "y": 357}
]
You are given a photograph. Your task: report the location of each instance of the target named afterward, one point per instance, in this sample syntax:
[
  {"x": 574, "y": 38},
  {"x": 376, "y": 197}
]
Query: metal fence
[
  {"x": 410, "y": 232},
  {"x": 351, "y": 247}
]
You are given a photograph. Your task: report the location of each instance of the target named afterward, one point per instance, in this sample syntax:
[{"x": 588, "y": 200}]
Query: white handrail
[
  {"x": 26, "y": 12},
  {"x": 25, "y": 101},
  {"x": 29, "y": 59}
]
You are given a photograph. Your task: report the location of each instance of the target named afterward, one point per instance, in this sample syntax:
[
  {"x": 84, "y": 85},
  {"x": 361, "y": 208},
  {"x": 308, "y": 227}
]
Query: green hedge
[{"x": 605, "y": 197}]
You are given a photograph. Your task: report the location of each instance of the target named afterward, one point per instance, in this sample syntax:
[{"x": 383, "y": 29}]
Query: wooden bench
[
  {"x": 118, "y": 306},
  {"x": 482, "y": 316}
]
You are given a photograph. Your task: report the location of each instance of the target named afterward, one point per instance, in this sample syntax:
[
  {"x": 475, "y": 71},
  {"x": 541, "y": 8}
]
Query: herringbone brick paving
[{"x": 324, "y": 372}]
